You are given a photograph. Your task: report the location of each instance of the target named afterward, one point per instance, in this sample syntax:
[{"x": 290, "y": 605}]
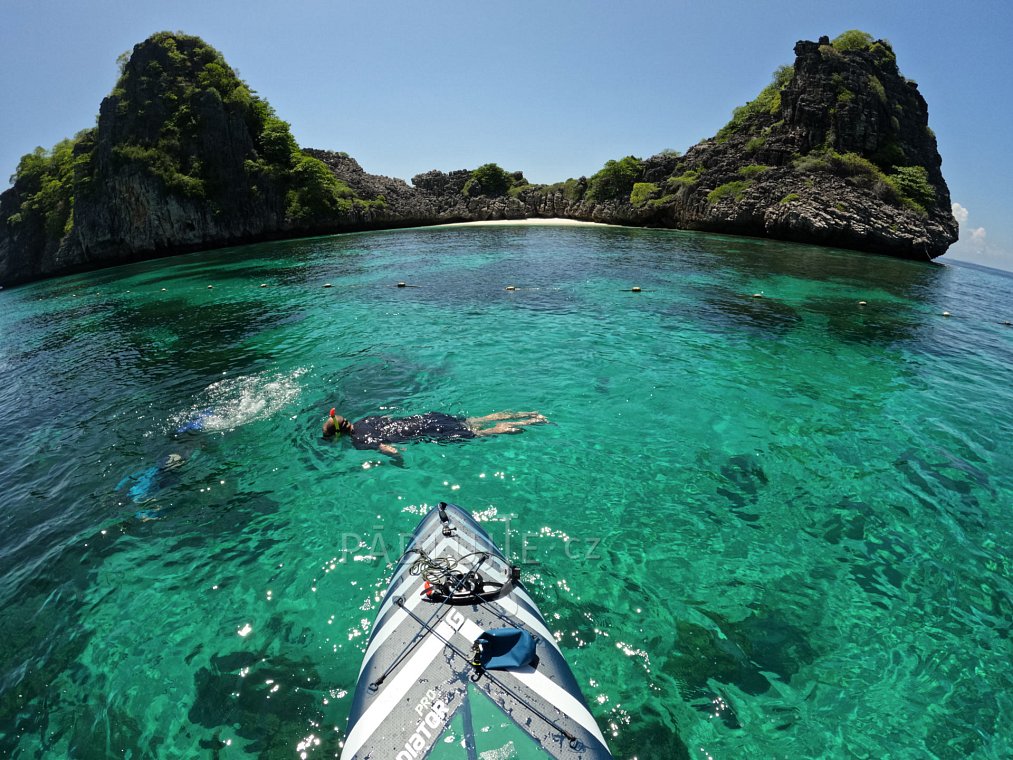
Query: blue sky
[{"x": 551, "y": 87}]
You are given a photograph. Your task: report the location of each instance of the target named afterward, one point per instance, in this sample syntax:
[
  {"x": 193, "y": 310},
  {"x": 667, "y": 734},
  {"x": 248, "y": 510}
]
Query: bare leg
[
  {"x": 511, "y": 426},
  {"x": 495, "y": 416}
]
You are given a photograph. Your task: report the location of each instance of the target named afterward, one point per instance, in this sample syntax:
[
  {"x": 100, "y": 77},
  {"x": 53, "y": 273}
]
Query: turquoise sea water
[{"x": 769, "y": 527}]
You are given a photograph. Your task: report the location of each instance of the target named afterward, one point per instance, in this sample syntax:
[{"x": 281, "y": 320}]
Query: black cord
[
  {"x": 482, "y": 672},
  {"x": 419, "y": 635},
  {"x": 487, "y": 604}
]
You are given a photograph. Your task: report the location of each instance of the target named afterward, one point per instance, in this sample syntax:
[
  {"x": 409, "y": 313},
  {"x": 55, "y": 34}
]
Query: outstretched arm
[{"x": 386, "y": 448}]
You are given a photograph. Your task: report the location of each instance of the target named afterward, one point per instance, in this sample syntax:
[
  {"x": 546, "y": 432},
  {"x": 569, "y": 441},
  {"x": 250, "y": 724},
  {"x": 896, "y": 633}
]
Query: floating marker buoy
[
  {"x": 863, "y": 303},
  {"x": 327, "y": 284},
  {"x": 401, "y": 285}
]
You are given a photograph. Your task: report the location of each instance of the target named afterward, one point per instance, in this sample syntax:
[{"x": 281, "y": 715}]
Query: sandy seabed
[{"x": 537, "y": 222}]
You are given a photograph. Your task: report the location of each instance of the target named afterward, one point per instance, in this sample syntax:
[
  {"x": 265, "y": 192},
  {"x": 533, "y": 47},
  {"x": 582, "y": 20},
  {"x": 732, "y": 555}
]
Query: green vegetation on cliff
[
  {"x": 186, "y": 155},
  {"x": 181, "y": 115},
  {"x": 488, "y": 179},
  {"x": 856, "y": 40},
  {"x": 45, "y": 181},
  {"x": 843, "y": 109},
  {"x": 912, "y": 184},
  {"x": 572, "y": 189},
  {"x": 643, "y": 192},
  {"x": 314, "y": 192},
  {"x": 767, "y": 102},
  {"x": 615, "y": 180},
  {"x": 687, "y": 179},
  {"x": 908, "y": 185},
  {"x": 735, "y": 189},
  {"x": 853, "y": 39},
  {"x": 492, "y": 181}
]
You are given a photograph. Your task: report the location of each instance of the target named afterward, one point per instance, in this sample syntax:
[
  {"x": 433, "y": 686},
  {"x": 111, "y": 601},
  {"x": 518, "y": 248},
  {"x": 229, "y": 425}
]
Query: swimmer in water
[{"x": 379, "y": 432}]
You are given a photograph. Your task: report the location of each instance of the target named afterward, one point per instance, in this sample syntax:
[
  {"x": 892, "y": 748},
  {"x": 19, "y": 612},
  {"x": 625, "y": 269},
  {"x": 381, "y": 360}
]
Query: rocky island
[{"x": 835, "y": 151}]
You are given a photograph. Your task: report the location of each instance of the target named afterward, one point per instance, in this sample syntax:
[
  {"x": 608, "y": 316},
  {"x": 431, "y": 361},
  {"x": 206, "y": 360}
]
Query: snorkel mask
[{"x": 341, "y": 425}]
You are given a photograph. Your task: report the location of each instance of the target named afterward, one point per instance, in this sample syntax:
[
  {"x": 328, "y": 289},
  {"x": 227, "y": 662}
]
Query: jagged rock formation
[
  {"x": 184, "y": 156},
  {"x": 836, "y": 151}
]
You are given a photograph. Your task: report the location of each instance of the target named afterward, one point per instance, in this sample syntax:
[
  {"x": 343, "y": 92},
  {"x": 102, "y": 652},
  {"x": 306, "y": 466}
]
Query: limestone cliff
[
  {"x": 184, "y": 156},
  {"x": 836, "y": 151}
]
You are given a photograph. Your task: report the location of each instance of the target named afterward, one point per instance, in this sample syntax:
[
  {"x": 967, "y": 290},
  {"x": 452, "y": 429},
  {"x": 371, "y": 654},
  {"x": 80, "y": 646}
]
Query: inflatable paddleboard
[{"x": 460, "y": 662}]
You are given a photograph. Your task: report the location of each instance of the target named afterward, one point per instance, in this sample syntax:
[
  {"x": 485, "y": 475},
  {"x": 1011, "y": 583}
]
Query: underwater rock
[{"x": 762, "y": 643}]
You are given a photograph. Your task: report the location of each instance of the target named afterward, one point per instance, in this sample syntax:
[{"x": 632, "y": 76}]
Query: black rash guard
[{"x": 370, "y": 432}]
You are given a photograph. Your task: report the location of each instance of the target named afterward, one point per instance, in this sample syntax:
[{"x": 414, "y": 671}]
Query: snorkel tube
[{"x": 332, "y": 429}]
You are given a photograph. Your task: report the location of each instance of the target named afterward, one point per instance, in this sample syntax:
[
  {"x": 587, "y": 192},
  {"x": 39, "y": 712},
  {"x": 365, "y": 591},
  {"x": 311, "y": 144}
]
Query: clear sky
[{"x": 551, "y": 87}]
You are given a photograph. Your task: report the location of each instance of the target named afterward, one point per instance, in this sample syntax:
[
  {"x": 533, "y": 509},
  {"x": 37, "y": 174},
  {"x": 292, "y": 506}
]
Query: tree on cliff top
[
  {"x": 488, "y": 179},
  {"x": 853, "y": 39},
  {"x": 615, "y": 180}
]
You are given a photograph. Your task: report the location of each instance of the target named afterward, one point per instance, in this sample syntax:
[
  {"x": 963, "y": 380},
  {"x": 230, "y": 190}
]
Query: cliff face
[
  {"x": 163, "y": 178},
  {"x": 836, "y": 151},
  {"x": 184, "y": 156}
]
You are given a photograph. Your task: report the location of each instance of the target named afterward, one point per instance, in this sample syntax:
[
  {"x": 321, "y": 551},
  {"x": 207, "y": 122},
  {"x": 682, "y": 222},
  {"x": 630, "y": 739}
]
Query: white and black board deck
[{"x": 420, "y": 693}]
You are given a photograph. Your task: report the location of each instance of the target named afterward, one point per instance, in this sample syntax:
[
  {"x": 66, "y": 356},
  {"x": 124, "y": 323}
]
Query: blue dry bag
[{"x": 504, "y": 648}]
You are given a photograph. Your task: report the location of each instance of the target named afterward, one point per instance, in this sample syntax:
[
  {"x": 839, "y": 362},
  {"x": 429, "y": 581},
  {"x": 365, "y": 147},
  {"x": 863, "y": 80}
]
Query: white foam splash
[{"x": 236, "y": 401}]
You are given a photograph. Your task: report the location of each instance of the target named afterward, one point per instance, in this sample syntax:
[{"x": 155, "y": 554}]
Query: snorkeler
[{"x": 379, "y": 432}]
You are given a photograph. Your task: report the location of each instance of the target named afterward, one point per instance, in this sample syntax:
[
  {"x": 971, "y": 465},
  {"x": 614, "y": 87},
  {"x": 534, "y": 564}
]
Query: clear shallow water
[{"x": 762, "y": 527}]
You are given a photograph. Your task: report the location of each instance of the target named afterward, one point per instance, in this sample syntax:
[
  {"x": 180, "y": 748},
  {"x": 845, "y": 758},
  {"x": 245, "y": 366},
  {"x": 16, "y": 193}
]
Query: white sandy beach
[{"x": 553, "y": 222}]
